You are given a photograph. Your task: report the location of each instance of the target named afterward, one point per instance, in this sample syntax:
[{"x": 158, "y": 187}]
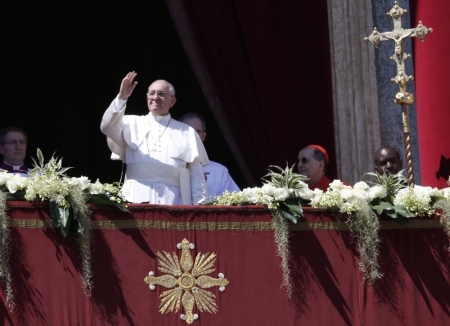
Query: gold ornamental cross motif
[
  {"x": 403, "y": 97},
  {"x": 187, "y": 280}
]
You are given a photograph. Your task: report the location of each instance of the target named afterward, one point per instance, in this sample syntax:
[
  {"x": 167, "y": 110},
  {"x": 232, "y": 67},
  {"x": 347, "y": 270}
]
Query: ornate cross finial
[
  {"x": 398, "y": 35},
  {"x": 403, "y": 97}
]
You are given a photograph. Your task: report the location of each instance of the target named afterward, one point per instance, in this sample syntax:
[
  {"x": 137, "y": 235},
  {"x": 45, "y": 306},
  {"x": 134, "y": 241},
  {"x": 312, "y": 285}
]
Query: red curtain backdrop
[
  {"x": 328, "y": 288},
  {"x": 269, "y": 63},
  {"x": 432, "y": 72}
]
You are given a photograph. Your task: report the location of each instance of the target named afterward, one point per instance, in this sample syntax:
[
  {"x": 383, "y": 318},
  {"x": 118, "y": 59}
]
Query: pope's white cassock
[
  {"x": 164, "y": 157},
  {"x": 218, "y": 179}
]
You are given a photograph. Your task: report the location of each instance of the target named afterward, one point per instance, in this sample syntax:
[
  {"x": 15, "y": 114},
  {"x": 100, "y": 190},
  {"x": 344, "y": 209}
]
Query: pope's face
[
  {"x": 388, "y": 162},
  {"x": 14, "y": 148},
  {"x": 309, "y": 166},
  {"x": 197, "y": 124},
  {"x": 159, "y": 100}
]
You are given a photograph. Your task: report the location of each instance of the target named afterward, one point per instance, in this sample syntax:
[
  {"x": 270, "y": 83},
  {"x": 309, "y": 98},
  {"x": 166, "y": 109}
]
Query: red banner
[{"x": 328, "y": 286}]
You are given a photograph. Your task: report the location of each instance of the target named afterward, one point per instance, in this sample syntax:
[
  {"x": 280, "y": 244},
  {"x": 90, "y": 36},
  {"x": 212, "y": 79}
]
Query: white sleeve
[
  {"x": 119, "y": 103},
  {"x": 227, "y": 183},
  {"x": 111, "y": 126},
  {"x": 198, "y": 183}
]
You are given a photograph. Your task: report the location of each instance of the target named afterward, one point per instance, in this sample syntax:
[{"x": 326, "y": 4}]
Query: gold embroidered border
[
  {"x": 182, "y": 226},
  {"x": 224, "y": 226}
]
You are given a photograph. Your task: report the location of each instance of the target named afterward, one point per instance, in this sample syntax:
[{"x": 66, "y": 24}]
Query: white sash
[{"x": 162, "y": 173}]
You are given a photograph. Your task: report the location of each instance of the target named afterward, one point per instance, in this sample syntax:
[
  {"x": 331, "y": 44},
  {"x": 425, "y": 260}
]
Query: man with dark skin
[{"x": 387, "y": 161}]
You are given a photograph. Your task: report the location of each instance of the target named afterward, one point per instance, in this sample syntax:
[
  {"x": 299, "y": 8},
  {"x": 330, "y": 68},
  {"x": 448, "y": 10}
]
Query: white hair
[{"x": 171, "y": 88}]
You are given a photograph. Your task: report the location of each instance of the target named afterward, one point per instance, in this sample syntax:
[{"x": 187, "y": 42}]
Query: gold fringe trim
[{"x": 224, "y": 226}]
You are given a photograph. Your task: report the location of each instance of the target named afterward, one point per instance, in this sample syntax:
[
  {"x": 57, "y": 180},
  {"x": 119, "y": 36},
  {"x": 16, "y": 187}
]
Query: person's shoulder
[
  {"x": 215, "y": 166},
  {"x": 181, "y": 126}
]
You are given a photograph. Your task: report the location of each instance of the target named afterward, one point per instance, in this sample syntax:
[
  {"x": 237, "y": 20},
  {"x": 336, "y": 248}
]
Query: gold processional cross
[
  {"x": 187, "y": 280},
  {"x": 402, "y": 98}
]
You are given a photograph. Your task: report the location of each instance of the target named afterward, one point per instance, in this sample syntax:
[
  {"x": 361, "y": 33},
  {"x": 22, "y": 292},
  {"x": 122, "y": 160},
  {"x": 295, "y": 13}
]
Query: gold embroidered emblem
[{"x": 188, "y": 278}]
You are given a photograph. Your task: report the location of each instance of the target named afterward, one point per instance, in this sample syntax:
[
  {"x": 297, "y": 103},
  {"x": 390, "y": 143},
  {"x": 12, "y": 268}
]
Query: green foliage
[
  {"x": 53, "y": 167},
  {"x": 285, "y": 178},
  {"x": 392, "y": 183},
  {"x": 103, "y": 199}
]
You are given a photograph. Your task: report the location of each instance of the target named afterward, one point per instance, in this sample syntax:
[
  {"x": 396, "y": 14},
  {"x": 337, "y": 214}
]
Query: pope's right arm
[{"x": 112, "y": 120}]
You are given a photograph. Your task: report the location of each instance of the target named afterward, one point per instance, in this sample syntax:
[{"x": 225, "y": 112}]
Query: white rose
[
  {"x": 444, "y": 192},
  {"x": 362, "y": 194},
  {"x": 5, "y": 176},
  {"x": 305, "y": 193},
  {"x": 12, "y": 185},
  {"x": 377, "y": 191},
  {"x": 346, "y": 194},
  {"x": 84, "y": 182},
  {"x": 281, "y": 193},
  {"x": 21, "y": 181},
  {"x": 336, "y": 185},
  {"x": 95, "y": 188},
  {"x": 72, "y": 181},
  {"x": 268, "y": 189},
  {"x": 361, "y": 186}
]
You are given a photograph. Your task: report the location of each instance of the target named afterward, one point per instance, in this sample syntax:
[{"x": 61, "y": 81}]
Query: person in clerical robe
[
  {"x": 313, "y": 162},
  {"x": 13, "y": 148},
  {"x": 164, "y": 157},
  {"x": 218, "y": 180},
  {"x": 387, "y": 161}
]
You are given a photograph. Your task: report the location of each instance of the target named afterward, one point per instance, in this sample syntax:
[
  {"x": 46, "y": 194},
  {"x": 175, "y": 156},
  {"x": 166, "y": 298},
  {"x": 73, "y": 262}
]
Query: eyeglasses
[
  {"x": 157, "y": 94},
  {"x": 19, "y": 143},
  {"x": 304, "y": 160}
]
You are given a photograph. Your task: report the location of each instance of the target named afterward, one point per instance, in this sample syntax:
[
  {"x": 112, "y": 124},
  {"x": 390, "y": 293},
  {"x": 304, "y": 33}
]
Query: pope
[{"x": 164, "y": 157}]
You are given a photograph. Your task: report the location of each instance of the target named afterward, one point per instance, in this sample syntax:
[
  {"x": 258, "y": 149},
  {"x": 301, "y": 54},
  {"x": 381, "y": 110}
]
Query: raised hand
[{"x": 127, "y": 86}]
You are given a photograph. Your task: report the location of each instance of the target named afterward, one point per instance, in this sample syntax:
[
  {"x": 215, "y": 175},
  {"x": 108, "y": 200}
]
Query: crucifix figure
[{"x": 403, "y": 97}]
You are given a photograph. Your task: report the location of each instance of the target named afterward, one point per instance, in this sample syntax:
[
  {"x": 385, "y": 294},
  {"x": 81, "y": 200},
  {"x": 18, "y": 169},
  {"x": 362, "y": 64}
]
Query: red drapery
[
  {"x": 432, "y": 70},
  {"x": 328, "y": 287},
  {"x": 270, "y": 67}
]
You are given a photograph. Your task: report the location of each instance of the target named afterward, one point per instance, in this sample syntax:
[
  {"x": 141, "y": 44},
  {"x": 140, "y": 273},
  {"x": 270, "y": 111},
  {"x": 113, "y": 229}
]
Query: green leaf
[
  {"x": 54, "y": 213},
  {"x": 403, "y": 211},
  {"x": 391, "y": 213},
  {"x": 402, "y": 220},
  {"x": 40, "y": 157},
  {"x": 104, "y": 200},
  {"x": 59, "y": 214},
  {"x": 34, "y": 162},
  {"x": 64, "y": 170},
  {"x": 18, "y": 195},
  {"x": 287, "y": 212},
  {"x": 65, "y": 231},
  {"x": 297, "y": 210},
  {"x": 384, "y": 206},
  {"x": 289, "y": 216}
]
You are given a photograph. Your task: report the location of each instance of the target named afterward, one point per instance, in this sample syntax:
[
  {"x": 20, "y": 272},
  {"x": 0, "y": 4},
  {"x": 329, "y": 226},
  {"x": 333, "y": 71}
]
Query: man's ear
[
  {"x": 321, "y": 165},
  {"x": 173, "y": 100},
  {"x": 204, "y": 136}
]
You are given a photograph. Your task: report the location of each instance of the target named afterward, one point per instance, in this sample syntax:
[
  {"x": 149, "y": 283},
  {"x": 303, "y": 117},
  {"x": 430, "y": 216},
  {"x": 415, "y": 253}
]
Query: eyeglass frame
[
  {"x": 304, "y": 160},
  {"x": 158, "y": 94}
]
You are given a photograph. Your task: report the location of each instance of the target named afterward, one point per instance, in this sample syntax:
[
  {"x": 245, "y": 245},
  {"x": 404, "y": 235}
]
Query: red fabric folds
[
  {"x": 432, "y": 72},
  {"x": 272, "y": 76}
]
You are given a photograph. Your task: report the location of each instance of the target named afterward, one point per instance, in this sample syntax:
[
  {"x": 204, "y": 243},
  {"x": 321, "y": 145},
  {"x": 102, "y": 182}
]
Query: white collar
[
  {"x": 15, "y": 167},
  {"x": 159, "y": 118}
]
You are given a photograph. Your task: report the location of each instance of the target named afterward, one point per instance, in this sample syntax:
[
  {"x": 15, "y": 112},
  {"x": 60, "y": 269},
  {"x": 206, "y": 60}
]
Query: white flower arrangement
[
  {"x": 418, "y": 200},
  {"x": 68, "y": 198},
  {"x": 284, "y": 193}
]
